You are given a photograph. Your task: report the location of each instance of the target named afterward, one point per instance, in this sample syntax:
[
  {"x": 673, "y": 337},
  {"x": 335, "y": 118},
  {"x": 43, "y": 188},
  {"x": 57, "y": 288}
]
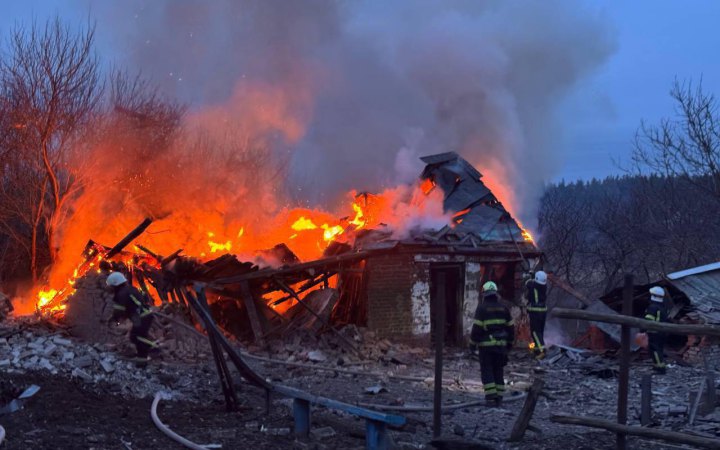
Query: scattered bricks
[
  {"x": 32, "y": 361},
  {"x": 316, "y": 356},
  {"x": 4, "y": 342},
  {"x": 37, "y": 344},
  {"x": 4, "y": 362},
  {"x": 49, "y": 349},
  {"x": 61, "y": 341},
  {"x": 68, "y": 356},
  {"x": 277, "y": 431},
  {"x": 253, "y": 425},
  {"x": 106, "y": 365},
  {"x": 25, "y": 354},
  {"x": 322, "y": 433},
  {"x": 83, "y": 361},
  {"x": 45, "y": 364},
  {"x": 79, "y": 373}
]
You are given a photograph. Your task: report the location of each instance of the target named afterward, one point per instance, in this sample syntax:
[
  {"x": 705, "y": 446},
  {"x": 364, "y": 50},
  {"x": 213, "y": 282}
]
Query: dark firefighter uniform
[
  {"x": 493, "y": 334},
  {"x": 657, "y": 312},
  {"x": 132, "y": 304},
  {"x": 537, "y": 312}
]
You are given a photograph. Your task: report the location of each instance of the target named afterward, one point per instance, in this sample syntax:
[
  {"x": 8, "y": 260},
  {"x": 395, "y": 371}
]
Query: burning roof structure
[{"x": 373, "y": 275}]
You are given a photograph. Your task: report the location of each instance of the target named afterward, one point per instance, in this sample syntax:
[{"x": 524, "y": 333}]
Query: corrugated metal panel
[{"x": 703, "y": 290}]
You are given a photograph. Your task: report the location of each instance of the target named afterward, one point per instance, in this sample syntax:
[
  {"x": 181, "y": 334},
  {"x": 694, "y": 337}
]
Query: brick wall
[
  {"x": 390, "y": 283},
  {"x": 709, "y": 345}
]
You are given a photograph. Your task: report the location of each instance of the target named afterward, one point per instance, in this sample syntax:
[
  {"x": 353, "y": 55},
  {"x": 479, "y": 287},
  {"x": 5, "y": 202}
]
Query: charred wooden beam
[
  {"x": 156, "y": 256},
  {"x": 211, "y": 327},
  {"x": 319, "y": 264},
  {"x": 697, "y": 330},
  {"x": 231, "y": 402},
  {"x": 170, "y": 258},
  {"x": 344, "y": 339},
  {"x": 650, "y": 433},
  {"x": 249, "y": 302},
  {"x": 129, "y": 238}
]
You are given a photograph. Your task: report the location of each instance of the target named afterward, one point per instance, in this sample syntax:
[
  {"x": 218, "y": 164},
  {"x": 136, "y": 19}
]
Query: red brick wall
[{"x": 390, "y": 279}]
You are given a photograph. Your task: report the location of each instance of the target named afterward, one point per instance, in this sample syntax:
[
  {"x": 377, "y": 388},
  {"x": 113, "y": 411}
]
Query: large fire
[{"x": 306, "y": 232}]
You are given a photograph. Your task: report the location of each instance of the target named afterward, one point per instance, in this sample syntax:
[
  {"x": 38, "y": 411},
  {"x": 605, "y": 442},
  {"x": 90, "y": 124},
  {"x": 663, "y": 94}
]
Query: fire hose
[
  {"x": 167, "y": 431},
  {"x": 2, "y": 434}
]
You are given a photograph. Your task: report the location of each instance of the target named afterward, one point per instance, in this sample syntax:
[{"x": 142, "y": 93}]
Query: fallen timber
[
  {"x": 696, "y": 330},
  {"x": 670, "y": 436}
]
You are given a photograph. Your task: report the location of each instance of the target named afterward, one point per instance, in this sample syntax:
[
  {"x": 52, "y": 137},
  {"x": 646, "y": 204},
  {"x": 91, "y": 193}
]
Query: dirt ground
[
  {"x": 69, "y": 414},
  {"x": 92, "y": 398}
]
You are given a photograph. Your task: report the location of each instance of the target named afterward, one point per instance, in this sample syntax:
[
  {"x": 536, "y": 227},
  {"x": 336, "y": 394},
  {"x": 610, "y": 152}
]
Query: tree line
[
  {"x": 57, "y": 101},
  {"x": 660, "y": 216}
]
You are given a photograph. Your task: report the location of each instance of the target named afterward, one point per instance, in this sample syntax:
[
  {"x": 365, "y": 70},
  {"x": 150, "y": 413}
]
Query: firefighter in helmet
[
  {"x": 493, "y": 333},
  {"x": 657, "y": 312},
  {"x": 537, "y": 311},
  {"x": 130, "y": 303}
]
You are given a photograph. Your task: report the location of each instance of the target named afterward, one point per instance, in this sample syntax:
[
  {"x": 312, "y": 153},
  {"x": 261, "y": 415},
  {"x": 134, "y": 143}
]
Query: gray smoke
[{"x": 371, "y": 85}]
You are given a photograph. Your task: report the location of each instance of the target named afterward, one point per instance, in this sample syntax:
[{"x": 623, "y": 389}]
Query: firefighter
[
  {"x": 493, "y": 334},
  {"x": 130, "y": 303},
  {"x": 537, "y": 310},
  {"x": 657, "y": 312}
]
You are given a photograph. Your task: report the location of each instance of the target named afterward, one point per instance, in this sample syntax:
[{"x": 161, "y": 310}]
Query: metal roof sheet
[
  {"x": 703, "y": 290},
  {"x": 694, "y": 271}
]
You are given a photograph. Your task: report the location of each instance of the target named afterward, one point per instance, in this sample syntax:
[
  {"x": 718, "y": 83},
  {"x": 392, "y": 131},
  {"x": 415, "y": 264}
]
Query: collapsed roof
[
  {"x": 694, "y": 293},
  {"x": 479, "y": 219}
]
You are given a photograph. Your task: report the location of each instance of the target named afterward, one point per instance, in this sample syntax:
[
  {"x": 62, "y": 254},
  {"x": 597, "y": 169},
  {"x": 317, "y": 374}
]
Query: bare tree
[
  {"x": 687, "y": 146},
  {"x": 51, "y": 86}
]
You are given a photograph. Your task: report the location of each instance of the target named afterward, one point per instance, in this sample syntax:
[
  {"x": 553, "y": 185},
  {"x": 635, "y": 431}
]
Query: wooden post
[
  {"x": 439, "y": 341},
  {"x": 523, "y": 420},
  {"x": 711, "y": 393},
  {"x": 624, "y": 376},
  {"x": 646, "y": 400}
]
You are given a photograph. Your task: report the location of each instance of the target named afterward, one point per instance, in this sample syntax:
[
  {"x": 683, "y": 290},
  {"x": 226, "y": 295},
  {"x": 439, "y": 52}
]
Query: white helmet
[
  {"x": 540, "y": 277},
  {"x": 657, "y": 293},
  {"x": 116, "y": 279}
]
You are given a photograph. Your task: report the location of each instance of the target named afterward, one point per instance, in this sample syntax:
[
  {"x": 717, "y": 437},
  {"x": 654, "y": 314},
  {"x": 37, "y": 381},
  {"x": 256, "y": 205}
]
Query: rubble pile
[
  {"x": 100, "y": 366},
  {"x": 307, "y": 346}
]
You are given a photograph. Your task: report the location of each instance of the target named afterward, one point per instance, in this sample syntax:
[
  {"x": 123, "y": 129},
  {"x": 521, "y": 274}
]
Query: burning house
[
  {"x": 368, "y": 275},
  {"x": 482, "y": 242}
]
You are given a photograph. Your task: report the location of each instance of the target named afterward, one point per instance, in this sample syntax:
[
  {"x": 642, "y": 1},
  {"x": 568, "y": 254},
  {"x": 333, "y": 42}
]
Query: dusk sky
[{"x": 655, "y": 41}]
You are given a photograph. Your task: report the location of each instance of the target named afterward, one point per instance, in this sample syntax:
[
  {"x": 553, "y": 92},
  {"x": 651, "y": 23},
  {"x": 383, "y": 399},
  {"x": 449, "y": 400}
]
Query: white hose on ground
[
  {"x": 168, "y": 432},
  {"x": 2, "y": 434}
]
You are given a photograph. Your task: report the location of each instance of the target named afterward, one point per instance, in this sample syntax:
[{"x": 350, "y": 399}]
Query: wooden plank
[
  {"x": 252, "y": 312},
  {"x": 646, "y": 400},
  {"x": 291, "y": 392},
  {"x": 682, "y": 329},
  {"x": 523, "y": 421},
  {"x": 651, "y": 433},
  {"x": 624, "y": 375}
]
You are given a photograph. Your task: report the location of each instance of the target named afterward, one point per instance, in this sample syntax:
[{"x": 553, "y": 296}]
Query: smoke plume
[{"x": 368, "y": 86}]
